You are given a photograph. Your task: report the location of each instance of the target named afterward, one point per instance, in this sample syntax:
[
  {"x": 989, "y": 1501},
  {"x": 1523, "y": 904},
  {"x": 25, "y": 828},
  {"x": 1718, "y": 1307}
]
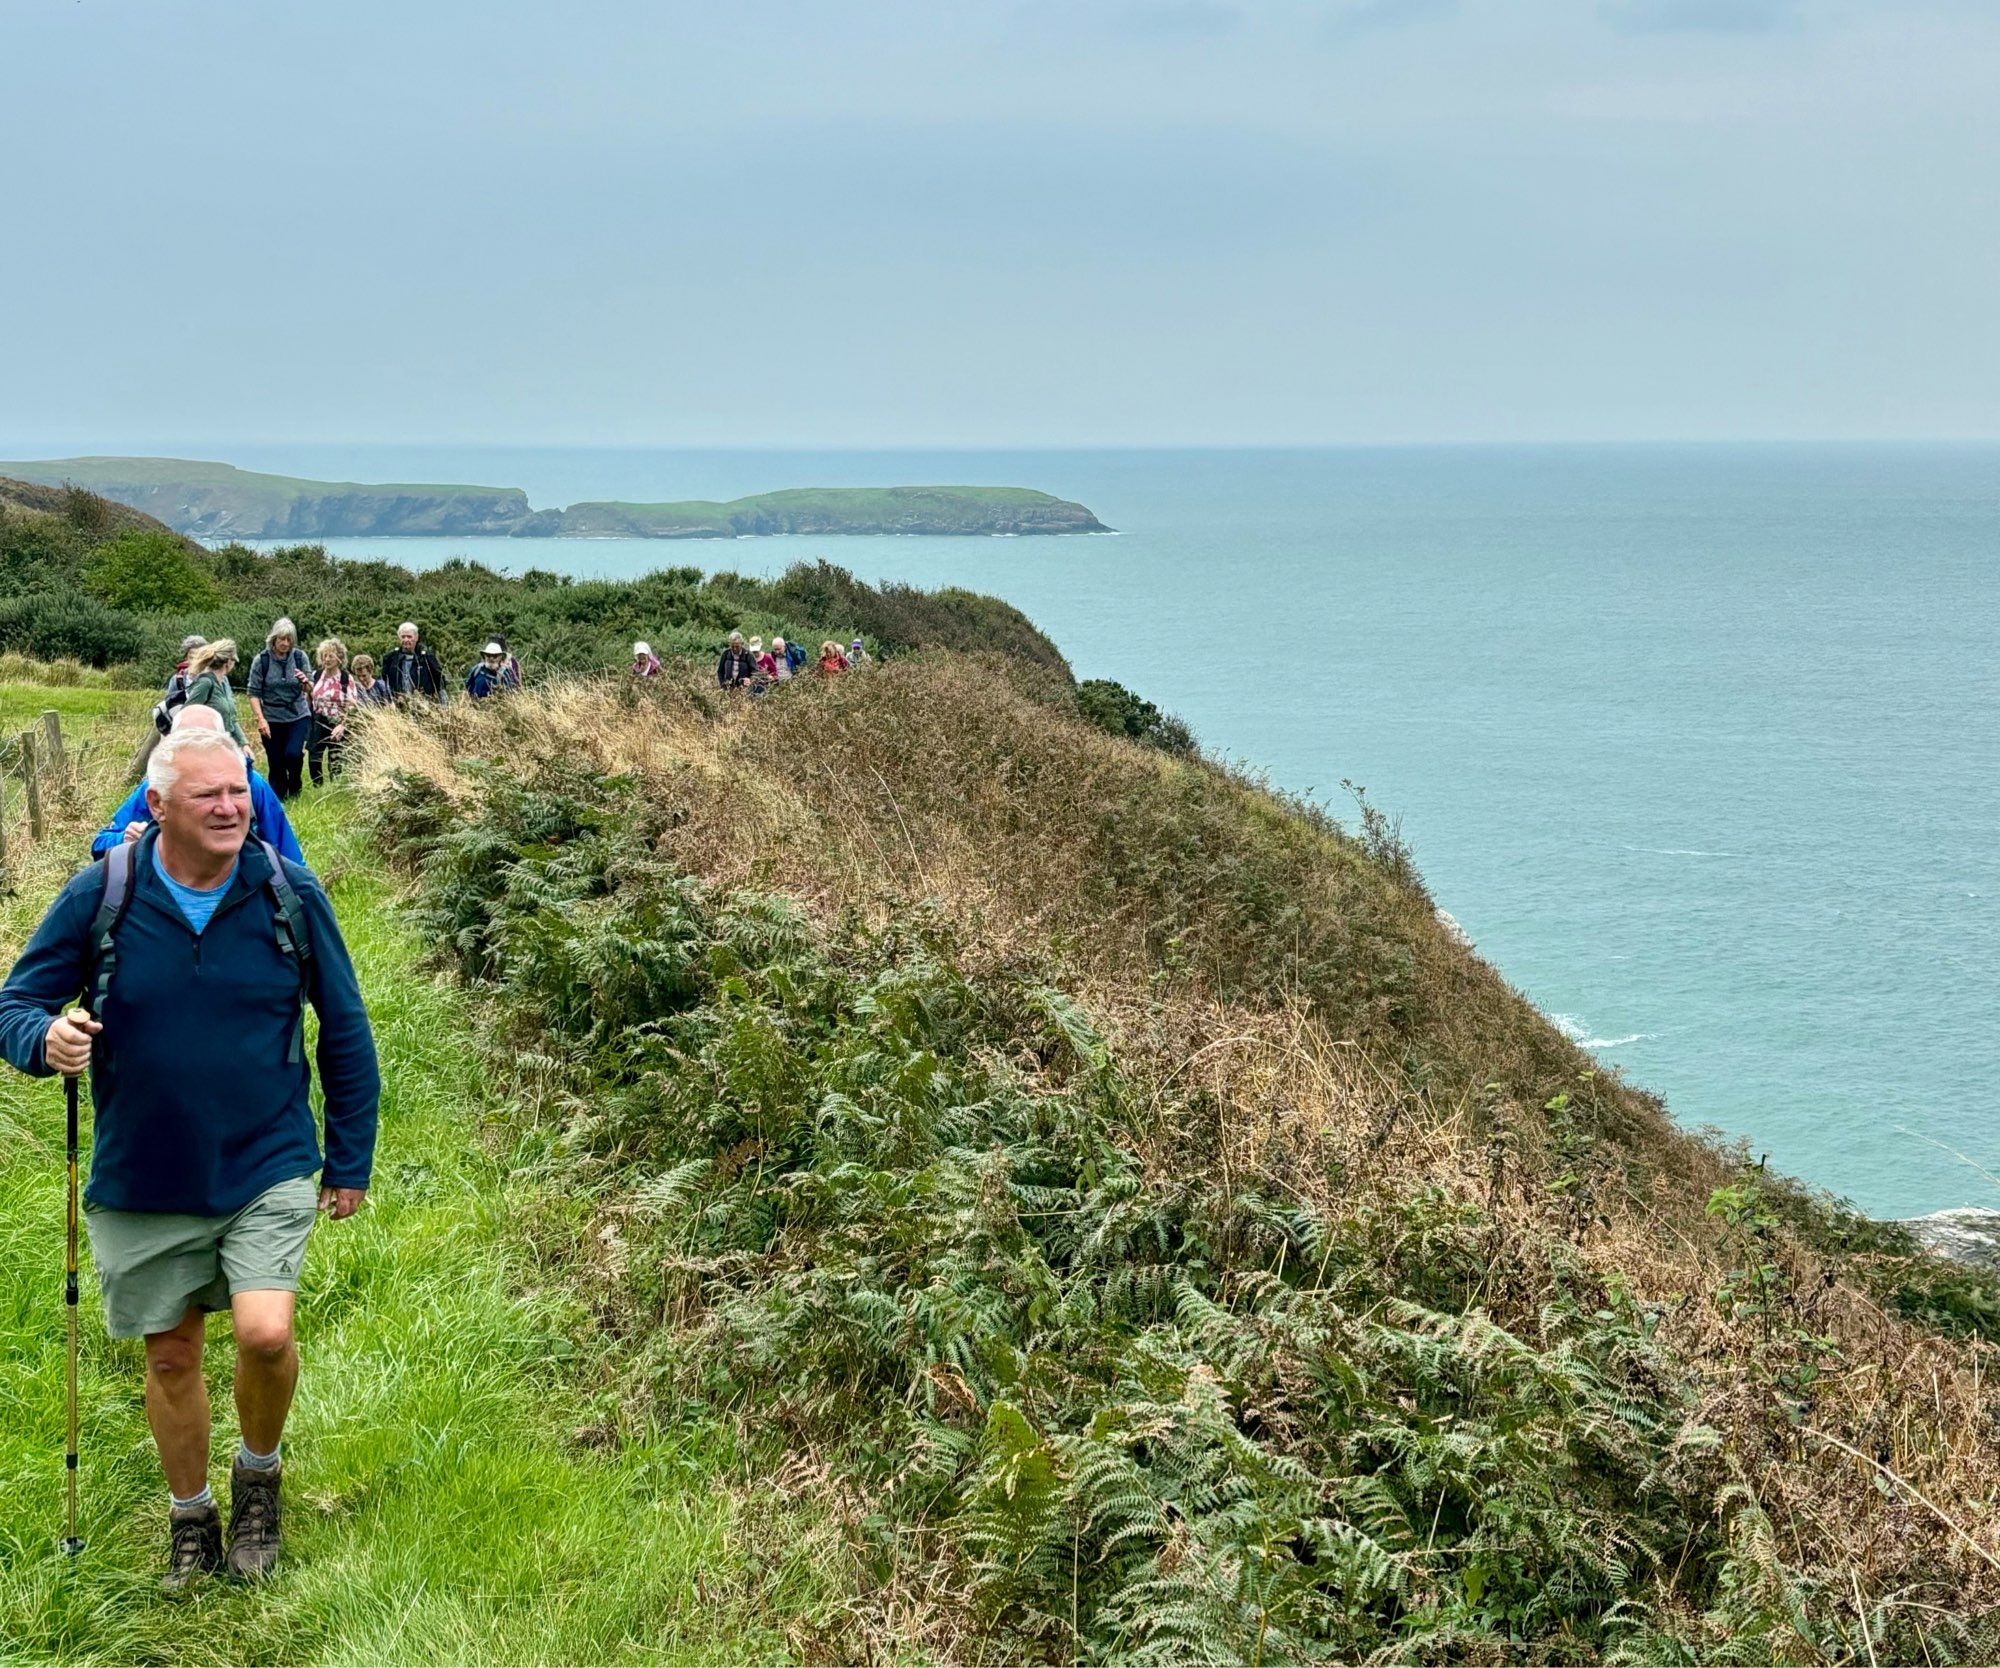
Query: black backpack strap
[
  {"x": 121, "y": 867},
  {"x": 294, "y": 936}
]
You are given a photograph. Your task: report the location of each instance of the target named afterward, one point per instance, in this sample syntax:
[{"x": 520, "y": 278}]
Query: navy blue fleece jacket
[{"x": 199, "y": 1107}]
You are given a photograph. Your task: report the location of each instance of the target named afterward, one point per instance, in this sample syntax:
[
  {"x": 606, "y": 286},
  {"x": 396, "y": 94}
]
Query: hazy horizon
[
  {"x": 216, "y": 451},
  {"x": 1003, "y": 225}
]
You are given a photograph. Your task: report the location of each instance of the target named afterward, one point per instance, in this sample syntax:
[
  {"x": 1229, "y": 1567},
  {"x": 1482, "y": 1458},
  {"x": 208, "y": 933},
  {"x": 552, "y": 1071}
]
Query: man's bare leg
[
  {"x": 177, "y": 1404},
  {"x": 267, "y": 1366}
]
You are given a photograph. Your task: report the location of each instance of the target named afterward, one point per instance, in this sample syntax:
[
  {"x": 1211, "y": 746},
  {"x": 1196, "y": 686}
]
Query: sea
[{"x": 1699, "y": 744}]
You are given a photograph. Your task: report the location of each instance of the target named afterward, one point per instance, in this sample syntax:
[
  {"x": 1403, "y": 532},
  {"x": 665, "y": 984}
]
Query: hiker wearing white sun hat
[
  {"x": 489, "y": 675},
  {"x": 645, "y": 663}
]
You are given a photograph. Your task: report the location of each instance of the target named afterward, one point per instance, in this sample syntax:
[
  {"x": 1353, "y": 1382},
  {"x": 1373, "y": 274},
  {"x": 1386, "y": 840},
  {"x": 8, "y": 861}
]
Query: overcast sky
[{"x": 1023, "y": 222}]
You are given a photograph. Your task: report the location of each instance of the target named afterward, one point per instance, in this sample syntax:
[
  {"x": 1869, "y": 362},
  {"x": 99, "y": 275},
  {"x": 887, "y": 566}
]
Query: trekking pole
[{"x": 72, "y": 1543}]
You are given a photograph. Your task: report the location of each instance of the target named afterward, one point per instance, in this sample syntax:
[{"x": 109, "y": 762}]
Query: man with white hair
[
  {"x": 194, "y": 952},
  {"x": 267, "y": 811},
  {"x": 410, "y": 669}
]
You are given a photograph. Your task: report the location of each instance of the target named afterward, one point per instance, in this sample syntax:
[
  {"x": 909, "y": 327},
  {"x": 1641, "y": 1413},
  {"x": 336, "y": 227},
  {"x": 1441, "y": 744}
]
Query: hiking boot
[
  {"x": 253, "y": 1520},
  {"x": 196, "y": 1548}
]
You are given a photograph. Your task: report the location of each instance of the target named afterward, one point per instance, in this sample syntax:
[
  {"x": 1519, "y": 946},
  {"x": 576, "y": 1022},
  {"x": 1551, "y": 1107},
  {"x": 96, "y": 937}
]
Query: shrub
[
  {"x": 1115, "y": 709},
  {"x": 67, "y": 625},
  {"x": 150, "y": 573},
  {"x": 38, "y": 552},
  {"x": 86, "y": 511}
]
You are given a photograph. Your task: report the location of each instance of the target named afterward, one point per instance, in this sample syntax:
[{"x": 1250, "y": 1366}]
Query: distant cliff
[
  {"x": 87, "y": 511},
  {"x": 834, "y": 510},
  {"x": 216, "y": 500}
]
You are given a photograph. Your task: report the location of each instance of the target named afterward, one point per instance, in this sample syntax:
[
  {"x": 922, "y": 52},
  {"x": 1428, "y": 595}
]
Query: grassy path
[{"x": 439, "y": 1506}]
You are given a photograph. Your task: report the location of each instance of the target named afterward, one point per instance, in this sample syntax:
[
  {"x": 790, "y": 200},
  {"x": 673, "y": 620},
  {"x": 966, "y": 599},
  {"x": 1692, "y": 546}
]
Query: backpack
[
  {"x": 121, "y": 864},
  {"x": 175, "y": 697}
]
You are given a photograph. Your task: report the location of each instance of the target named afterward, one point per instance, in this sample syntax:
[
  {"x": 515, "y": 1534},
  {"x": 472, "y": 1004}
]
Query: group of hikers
[
  {"x": 749, "y": 665},
  {"x": 207, "y": 1173},
  {"x": 303, "y": 707}
]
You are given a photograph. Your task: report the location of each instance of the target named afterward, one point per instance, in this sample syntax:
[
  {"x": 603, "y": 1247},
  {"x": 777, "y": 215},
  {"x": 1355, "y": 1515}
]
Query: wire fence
[{"x": 35, "y": 776}]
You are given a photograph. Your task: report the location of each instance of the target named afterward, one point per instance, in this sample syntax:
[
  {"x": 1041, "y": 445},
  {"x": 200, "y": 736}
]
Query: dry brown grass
[{"x": 1315, "y": 1028}]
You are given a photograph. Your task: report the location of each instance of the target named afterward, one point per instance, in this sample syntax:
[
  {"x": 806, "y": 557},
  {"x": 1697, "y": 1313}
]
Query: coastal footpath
[{"x": 218, "y": 501}]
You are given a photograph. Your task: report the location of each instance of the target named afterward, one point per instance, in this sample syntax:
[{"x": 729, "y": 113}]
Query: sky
[{"x": 997, "y": 222}]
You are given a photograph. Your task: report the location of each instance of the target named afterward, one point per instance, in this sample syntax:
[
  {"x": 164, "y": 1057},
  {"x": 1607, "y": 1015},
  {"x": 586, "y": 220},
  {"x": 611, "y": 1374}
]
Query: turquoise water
[{"x": 1699, "y": 744}]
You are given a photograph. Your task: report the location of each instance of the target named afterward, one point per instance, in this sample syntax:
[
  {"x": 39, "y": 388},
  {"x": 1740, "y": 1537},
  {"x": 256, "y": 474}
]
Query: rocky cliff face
[{"x": 1967, "y": 1235}]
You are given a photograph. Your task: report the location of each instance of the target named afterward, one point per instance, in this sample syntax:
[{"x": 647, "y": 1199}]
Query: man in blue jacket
[
  {"x": 267, "y": 811},
  {"x": 197, "y": 954}
]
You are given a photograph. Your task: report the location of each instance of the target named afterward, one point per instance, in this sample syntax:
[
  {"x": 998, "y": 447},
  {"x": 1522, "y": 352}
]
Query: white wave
[
  {"x": 1452, "y": 930},
  {"x": 1678, "y": 851},
  {"x": 1579, "y": 1033}
]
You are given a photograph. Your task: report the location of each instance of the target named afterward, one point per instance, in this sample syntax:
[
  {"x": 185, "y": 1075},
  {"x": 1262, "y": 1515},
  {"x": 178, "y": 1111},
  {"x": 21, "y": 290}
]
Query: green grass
[
  {"x": 441, "y": 1506},
  {"x": 83, "y": 707}
]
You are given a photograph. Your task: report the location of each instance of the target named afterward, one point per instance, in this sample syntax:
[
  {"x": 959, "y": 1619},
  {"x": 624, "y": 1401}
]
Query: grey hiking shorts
[{"x": 152, "y": 1266}]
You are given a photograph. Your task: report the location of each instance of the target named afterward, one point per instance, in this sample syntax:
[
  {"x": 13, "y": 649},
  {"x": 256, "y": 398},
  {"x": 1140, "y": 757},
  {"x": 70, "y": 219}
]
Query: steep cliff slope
[{"x": 1116, "y": 1197}]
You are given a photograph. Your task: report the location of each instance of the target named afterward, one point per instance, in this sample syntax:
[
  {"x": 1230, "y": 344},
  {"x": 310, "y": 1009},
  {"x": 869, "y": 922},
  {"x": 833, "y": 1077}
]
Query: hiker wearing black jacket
[
  {"x": 737, "y": 669},
  {"x": 410, "y": 669}
]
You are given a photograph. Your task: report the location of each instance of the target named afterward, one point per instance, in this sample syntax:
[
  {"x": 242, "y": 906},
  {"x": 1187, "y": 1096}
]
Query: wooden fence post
[
  {"x": 52, "y": 742},
  {"x": 31, "y": 779},
  {"x": 3, "y": 825}
]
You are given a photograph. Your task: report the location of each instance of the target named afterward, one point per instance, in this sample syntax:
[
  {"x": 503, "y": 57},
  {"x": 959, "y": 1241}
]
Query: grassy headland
[{"x": 217, "y": 500}]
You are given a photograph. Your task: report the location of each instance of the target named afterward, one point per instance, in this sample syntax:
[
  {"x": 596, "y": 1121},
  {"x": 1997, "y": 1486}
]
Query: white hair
[
  {"x": 408, "y": 625},
  {"x": 163, "y": 770},
  {"x": 197, "y": 718},
  {"x": 282, "y": 627}
]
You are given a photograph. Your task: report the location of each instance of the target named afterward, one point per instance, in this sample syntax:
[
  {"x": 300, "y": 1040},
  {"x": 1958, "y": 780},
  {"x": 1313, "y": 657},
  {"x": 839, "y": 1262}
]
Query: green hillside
[
  {"x": 27, "y": 500},
  {"x": 215, "y": 500}
]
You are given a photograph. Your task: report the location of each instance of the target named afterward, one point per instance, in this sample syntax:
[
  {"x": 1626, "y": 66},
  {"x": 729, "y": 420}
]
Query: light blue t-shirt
[{"x": 196, "y": 906}]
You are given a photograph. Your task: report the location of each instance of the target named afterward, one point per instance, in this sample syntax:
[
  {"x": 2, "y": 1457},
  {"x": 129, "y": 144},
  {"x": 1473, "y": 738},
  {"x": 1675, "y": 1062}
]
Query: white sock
[
  {"x": 205, "y": 1498},
  {"x": 257, "y": 1462}
]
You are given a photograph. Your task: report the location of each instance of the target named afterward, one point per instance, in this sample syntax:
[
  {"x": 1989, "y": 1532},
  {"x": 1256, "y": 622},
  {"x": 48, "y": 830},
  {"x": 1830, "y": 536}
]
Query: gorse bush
[
  {"x": 1117, "y": 711},
  {"x": 66, "y": 625},
  {"x": 1196, "y": 1337}
]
